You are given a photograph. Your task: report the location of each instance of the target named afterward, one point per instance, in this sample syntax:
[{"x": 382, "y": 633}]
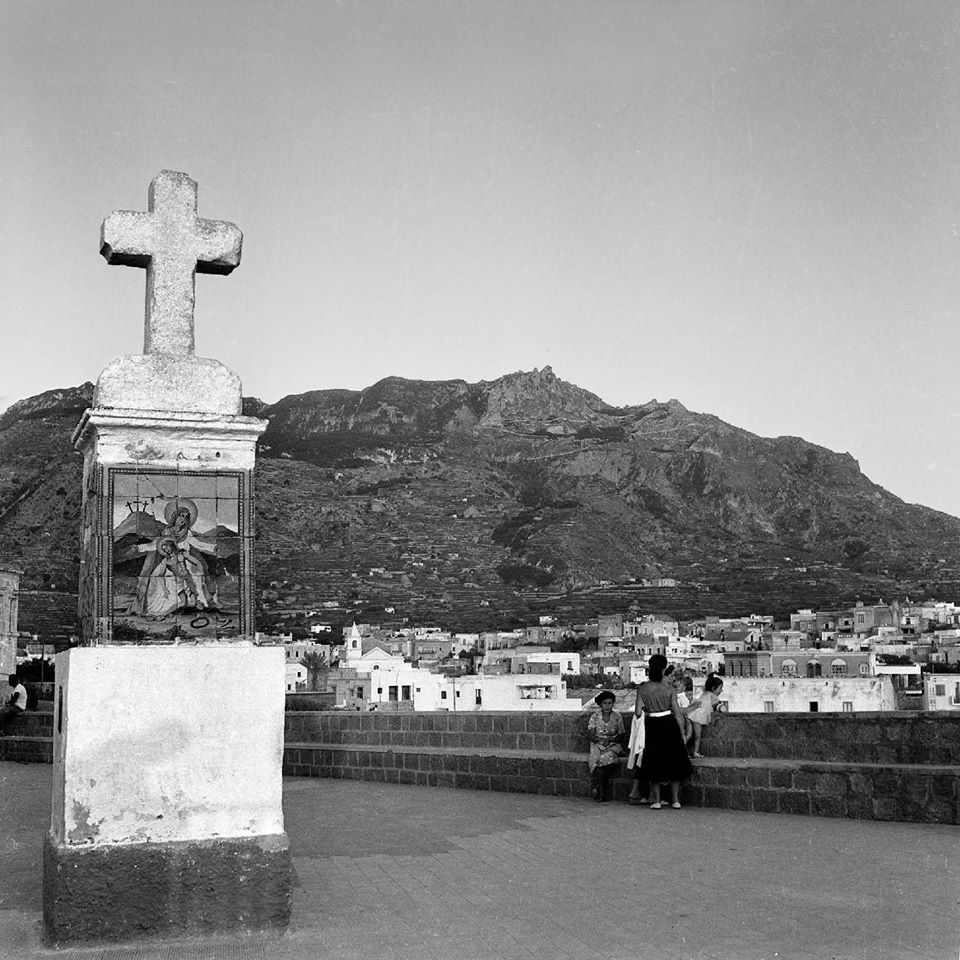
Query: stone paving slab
[{"x": 391, "y": 871}]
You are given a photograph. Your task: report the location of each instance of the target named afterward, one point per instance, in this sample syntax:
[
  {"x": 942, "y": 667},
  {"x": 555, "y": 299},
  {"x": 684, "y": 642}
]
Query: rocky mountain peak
[
  {"x": 50, "y": 403},
  {"x": 474, "y": 503},
  {"x": 538, "y": 401}
]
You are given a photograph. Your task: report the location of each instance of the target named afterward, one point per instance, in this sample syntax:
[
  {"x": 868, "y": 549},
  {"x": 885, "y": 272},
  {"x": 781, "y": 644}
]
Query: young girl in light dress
[{"x": 701, "y": 711}]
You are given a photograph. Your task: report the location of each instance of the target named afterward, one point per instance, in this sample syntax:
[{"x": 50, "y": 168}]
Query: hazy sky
[{"x": 753, "y": 207}]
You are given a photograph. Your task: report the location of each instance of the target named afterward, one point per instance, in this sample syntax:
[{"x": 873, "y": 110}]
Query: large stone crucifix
[{"x": 173, "y": 244}]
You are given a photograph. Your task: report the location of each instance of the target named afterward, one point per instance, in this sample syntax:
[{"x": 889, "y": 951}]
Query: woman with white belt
[{"x": 664, "y": 758}]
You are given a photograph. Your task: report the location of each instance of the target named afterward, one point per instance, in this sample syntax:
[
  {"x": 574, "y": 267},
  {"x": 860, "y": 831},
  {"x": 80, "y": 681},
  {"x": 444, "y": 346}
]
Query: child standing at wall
[
  {"x": 701, "y": 711},
  {"x": 604, "y": 731}
]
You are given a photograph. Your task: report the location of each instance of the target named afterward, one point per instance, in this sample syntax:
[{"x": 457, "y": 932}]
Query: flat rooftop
[{"x": 390, "y": 871}]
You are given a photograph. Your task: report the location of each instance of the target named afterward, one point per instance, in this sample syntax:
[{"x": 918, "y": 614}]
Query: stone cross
[{"x": 173, "y": 244}]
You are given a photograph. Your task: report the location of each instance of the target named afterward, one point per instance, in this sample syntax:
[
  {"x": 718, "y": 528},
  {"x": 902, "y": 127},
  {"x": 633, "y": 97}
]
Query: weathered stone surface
[
  {"x": 173, "y": 244},
  {"x": 192, "y": 754},
  {"x": 208, "y": 451},
  {"x": 166, "y": 801},
  {"x": 339, "y": 746},
  {"x": 127, "y": 891},
  {"x": 179, "y": 384}
]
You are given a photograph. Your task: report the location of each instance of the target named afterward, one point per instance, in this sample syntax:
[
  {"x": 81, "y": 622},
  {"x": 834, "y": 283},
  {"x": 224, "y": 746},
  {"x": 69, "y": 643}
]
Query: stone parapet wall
[
  {"x": 509, "y": 771},
  {"x": 885, "y": 738},
  {"x": 899, "y": 738},
  {"x": 863, "y": 791},
  {"x": 32, "y": 724},
  {"x": 890, "y": 766},
  {"x": 546, "y": 733}
]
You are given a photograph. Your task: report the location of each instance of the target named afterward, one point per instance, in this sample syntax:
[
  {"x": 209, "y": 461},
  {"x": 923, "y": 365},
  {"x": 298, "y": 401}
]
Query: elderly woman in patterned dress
[{"x": 604, "y": 730}]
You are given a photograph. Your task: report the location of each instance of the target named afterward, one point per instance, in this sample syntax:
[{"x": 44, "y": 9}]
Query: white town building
[
  {"x": 941, "y": 691},
  {"x": 296, "y": 676},
  {"x": 808, "y": 694}
]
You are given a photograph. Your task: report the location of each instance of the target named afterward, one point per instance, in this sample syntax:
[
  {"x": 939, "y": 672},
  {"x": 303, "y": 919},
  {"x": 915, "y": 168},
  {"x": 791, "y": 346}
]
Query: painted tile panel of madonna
[{"x": 177, "y": 566}]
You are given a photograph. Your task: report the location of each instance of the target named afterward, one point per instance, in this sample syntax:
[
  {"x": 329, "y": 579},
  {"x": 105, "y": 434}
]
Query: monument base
[
  {"x": 131, "y": 891},
  {"x": 167, "y": 813}
]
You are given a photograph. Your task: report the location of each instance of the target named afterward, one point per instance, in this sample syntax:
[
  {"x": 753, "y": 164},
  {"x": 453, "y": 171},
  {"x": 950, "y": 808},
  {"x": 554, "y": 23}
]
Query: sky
[{"x": 751, "y": 206}]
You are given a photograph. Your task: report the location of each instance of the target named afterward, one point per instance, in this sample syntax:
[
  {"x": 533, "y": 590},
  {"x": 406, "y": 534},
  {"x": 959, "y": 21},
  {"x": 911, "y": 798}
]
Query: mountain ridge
[{"x": 485, "y": 503}]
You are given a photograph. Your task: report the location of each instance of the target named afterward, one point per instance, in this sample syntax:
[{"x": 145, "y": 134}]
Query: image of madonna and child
[{"x": 174, "y": 574}]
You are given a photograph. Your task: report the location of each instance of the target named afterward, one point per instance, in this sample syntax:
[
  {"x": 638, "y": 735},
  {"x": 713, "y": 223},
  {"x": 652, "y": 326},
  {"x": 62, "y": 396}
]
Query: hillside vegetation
[{"x": 478, "y": 505}]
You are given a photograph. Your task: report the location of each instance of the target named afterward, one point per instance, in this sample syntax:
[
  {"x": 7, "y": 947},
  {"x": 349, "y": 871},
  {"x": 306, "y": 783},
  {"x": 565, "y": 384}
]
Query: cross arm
[
  {"x": 126, "y": 238},
  {"x": 218, "y": 246}
]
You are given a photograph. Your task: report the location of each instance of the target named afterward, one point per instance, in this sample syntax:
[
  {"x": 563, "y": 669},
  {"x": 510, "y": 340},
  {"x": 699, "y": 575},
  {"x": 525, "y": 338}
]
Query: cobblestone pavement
[{"x": 385, "y": 871}]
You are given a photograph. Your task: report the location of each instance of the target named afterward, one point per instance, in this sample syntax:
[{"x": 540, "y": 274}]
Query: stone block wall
[
  {"x": 886, "y": 738},
  {"x": 879, "y": 738},
  {"x": 544, "y": 733},
  {"x": 890, "y": 766},
  {"x": 29, "y": 739},
  {"x": 908, "y": 793}
]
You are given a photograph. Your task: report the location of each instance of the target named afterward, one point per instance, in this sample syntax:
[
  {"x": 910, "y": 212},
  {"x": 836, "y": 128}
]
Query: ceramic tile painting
[{"x": 176, "y": 569}]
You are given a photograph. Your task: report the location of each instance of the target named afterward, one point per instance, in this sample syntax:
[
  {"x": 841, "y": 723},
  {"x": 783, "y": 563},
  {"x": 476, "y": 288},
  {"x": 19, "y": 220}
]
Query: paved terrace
[{"x": 397, "y": 871}]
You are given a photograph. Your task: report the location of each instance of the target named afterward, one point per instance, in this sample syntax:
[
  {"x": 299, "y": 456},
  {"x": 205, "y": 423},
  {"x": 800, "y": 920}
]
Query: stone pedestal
[
  {"x": 167, "y": 816},
  {"x": 142, "y": 467},
  {"x": 168, "y": 744}
]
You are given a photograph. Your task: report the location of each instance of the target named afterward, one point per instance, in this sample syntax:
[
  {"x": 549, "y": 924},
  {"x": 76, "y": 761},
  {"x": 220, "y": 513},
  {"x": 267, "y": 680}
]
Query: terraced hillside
[{"x": 478, "y": 505}]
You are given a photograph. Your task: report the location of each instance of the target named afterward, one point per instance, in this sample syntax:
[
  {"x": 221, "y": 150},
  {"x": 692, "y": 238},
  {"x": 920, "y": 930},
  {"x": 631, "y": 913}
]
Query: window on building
[
  {"x": 864, "y": 669},
  {"x": 380, "y": 690},
  {"x": 814, "y": 706},
  {"x": 479, "y": 697},
  {"x": 838, "y": 668},
  {"x": 788, "y": 668},
  {"x": 443, "y": 694},
  {"x": 768, "y": 706},
  {"x": 405, "y": 692},
  {"x": 940, "y": 690},
  {"x": 457, "y": 694},
  {"x": 392, "y": 693},
  {"x": 859, "y": 618},
  {"x": 813, "y": 668},
  {"x": 848, "y": 706}
]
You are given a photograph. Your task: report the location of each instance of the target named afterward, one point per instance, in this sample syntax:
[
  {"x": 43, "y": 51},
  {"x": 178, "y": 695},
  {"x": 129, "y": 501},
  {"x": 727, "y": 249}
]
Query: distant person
[
  {"x": 640, "y": 788},
  {"x": 664, "y": 758},
  {"x": 605, "y": 729},
  {"x": 701, "y": 711},
  {"x": 683, "y": 684},
  {"x": 15, "y": 705}
]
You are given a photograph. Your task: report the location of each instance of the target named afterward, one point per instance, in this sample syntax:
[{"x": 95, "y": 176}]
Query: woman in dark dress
[{"x": 664, "y": 758}]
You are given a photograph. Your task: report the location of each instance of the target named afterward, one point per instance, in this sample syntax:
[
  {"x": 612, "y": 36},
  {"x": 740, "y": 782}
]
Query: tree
[
  {"x": 569, "y": 643},
  {"x": 317, "y": 667}
]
